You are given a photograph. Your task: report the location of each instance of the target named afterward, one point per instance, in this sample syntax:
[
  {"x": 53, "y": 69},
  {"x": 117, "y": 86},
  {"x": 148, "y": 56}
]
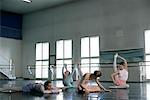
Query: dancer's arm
[
  {"x": 63, "y": 70},
  {"x": 113, "y": 76},
  {"x": 101, "y": 86},
  {"x": 80, "y": 74},
  {"x": 64, "y": 67},
  {"x": 125, "y": 62},
  {"x": 74, "y": 69},
  {"x": 115, "y": 62}
]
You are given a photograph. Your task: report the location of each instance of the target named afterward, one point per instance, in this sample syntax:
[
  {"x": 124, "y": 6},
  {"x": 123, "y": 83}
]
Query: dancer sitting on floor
[
  {"x": 83, "y": 86},
  {"x": 40, "y": 88},
  {"x": 120, "y": 75},
  {"x": 68, "y": 77}
]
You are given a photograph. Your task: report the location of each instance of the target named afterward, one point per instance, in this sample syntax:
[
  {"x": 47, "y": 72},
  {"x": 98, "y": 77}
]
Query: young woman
[
  {"x": 67, "y": 76},
  {"x": 87, "y": 88},
  {"x": 40, "y": 88},
  {"x": 120, "y": 76}
]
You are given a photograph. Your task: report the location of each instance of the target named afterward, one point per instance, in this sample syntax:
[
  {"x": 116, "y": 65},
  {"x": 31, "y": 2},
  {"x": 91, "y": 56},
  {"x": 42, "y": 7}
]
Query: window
[
  {"x": 63, "y": 56},
  {"x": 42, "y": 60},
  {"x": 89, "y": 54},
  {"x": 147, "y": 53}
]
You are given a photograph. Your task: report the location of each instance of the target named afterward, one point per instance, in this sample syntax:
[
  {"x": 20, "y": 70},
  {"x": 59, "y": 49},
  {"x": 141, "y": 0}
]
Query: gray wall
[{"x": 120, "y": 25}]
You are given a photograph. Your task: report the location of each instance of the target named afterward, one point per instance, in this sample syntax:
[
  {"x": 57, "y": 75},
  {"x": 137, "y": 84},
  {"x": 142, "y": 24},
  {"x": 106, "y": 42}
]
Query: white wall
[
  {"x": 120, "y": 25},
  {"x": 11, "y": 49}
]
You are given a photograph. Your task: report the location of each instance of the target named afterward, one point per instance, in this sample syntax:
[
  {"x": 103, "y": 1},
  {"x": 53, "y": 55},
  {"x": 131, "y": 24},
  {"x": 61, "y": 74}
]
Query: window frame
[
  {"x": 63, "y": 59},
  {"x": 42, "y": 61},
  {"x": 146, "y": 55},
  {"x": 90, "y": 57}
]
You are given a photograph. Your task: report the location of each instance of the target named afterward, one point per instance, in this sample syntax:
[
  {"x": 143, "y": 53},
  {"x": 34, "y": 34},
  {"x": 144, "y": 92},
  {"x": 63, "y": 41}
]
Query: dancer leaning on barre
[
  {"x": 84, "y": 87},
  {"x": 68, "y": 77},
  {"x": 120, "y": 75}
]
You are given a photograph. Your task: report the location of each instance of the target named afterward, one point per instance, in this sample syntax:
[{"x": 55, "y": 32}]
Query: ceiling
[{"x": 18, "y": 6}]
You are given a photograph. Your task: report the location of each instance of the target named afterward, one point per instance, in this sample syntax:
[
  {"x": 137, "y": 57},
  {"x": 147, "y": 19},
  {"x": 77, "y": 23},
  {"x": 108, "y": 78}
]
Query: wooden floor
[{"x": 136, "y": 91}]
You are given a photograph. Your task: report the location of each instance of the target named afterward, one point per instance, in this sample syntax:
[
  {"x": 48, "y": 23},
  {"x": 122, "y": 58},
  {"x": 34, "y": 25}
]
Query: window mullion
[
  {"x": 63, "y": 50},
  {"x": 89, "y": 54}
]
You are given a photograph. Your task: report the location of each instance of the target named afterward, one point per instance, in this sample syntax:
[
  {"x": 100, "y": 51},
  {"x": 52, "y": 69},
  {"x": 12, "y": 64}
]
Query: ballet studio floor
[{"x": 136, "y": 91}]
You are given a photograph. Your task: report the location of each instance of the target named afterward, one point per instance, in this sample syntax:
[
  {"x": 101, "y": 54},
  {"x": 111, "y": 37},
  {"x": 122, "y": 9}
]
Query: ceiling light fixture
[{"x": 27, "y": 1}]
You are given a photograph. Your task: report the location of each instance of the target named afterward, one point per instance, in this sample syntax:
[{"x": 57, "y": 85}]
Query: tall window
[
  {"x": 42, "y": 60},
  {"x": 147, "y": 53},
  {"x": 89, "y": 54},
  {"x": 63, "y": 56}
]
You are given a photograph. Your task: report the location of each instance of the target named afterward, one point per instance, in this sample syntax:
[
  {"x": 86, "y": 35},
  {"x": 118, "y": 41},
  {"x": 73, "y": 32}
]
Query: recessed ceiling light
[{"x": 27, "y": 1}]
